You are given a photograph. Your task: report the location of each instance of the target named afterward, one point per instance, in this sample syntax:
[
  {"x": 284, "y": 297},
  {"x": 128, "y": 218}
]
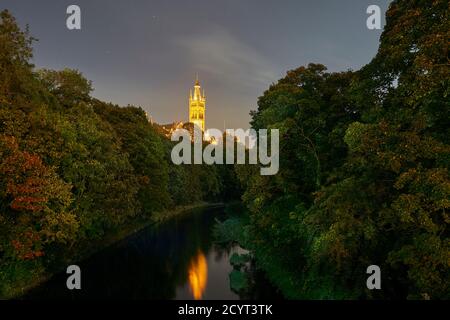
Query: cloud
[{"x": 222, "y": 55}]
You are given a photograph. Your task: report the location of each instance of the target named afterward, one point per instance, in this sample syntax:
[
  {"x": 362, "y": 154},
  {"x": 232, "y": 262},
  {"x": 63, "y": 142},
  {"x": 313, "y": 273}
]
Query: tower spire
[{"x": 197, "y": 103}]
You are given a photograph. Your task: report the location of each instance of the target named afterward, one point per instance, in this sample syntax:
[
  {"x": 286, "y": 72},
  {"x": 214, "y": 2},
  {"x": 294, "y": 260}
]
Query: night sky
[{"x": 147, "y": 53}]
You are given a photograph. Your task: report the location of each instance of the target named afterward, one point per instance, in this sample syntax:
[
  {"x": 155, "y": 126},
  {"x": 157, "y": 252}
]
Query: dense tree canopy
[
  {"x": 364, "y": 168},
  {"x": 363, "y": 179},
  {"x": 72, "y": 167}
]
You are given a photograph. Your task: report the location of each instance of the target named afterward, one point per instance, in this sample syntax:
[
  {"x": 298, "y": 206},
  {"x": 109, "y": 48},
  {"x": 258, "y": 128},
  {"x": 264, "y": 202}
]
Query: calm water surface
[{"x": 176, "y": 260}]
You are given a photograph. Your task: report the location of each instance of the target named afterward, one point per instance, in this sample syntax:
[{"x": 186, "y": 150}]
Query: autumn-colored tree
[
  {"x": 36, "y": 202},
  {"x": 73, "y": 168}
]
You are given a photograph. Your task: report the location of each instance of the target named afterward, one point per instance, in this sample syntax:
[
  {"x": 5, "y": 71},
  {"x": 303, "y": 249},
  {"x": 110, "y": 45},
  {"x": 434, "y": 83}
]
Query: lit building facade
[{"x": 197, "y": 106}]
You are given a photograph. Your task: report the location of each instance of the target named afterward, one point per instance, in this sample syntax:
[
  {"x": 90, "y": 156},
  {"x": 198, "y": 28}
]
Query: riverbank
[
  {"x": 83, "y": 251},
  {"x": 161, "y": 216}
]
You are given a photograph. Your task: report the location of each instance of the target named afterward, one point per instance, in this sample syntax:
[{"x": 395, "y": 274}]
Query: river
[{"x": 175, "y": 260}]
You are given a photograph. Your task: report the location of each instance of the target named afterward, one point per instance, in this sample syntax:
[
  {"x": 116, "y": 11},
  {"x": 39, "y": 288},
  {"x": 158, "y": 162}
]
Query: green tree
[
  {"x": 15, "y": 53},
  {"x": 146, "y": 152},
  {"x": 35, "y": 206},
  {"x": 68, "y": 86},
  {"x": 364, "y": 168}
]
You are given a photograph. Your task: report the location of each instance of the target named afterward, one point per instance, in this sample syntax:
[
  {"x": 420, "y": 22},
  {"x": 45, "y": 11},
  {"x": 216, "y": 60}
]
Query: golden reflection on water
[{"x": 198, "y": 275}]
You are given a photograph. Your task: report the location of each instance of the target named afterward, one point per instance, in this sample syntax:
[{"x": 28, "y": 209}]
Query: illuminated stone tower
[{"x": 197, "y": 105}]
